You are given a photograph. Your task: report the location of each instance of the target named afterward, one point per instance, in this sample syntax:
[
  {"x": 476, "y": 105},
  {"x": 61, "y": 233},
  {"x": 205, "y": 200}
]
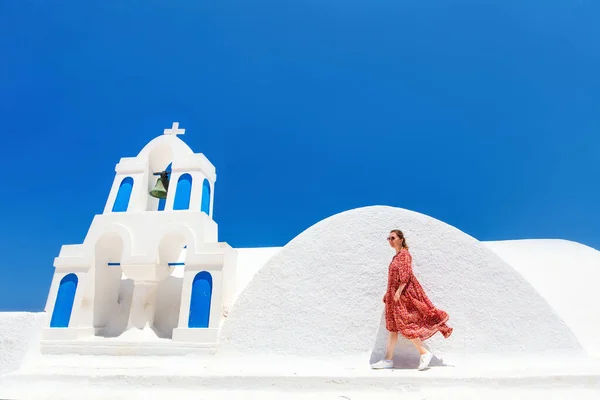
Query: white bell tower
[{"x": 148, "y": 268}]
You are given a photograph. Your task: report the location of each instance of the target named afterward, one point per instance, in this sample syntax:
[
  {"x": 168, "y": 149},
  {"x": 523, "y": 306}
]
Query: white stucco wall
[
  {"x": 567, "y": 274},
  {"x": 168, "y": 300},
  {"x": 19, "y": 338},
  {"x": 249, "y": 262},
  {"x": 322, "y": 293}
]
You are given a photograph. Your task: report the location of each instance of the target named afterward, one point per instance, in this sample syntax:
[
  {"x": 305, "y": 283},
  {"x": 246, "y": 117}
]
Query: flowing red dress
[{"x": 413, "y": 315}]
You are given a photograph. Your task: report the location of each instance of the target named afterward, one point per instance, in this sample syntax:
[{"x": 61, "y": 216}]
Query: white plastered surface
[
  {"x": 321, "y": 295},
  {"x": 567, "y": 274},
  {"x": 19, "y": 338}
]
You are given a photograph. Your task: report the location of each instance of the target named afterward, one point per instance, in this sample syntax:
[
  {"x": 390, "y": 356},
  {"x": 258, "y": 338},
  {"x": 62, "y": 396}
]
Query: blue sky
[{"x": 482, "y": 114}]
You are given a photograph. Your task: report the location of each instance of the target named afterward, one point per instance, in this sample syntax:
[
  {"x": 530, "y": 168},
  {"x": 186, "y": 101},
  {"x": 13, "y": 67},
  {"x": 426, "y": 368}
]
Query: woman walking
[{"x": 408, "y": 310}]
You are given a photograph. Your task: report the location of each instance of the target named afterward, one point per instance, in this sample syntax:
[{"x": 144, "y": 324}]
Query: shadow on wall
[
  {"x": 406, "y": 355},
  {"x": 168, "y": 301},
  {"x": 117, "y": 324}
]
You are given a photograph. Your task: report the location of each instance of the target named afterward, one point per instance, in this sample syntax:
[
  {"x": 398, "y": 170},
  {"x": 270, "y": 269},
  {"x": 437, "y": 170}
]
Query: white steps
[
  {"x": 107, "y": 347},
  {"x": 199, "y": 374}
]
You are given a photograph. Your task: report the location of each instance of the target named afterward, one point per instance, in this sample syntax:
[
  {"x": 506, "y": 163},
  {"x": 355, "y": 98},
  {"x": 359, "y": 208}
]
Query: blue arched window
[
  {"x": 123, "y": 195},
  {"x": 64, "y": 302},
  {"x": 163, "y": 202},
  {"x": 183, "y": 193},
  {"x": 205, "y": 207},
  {"x": 200, "y": 300}
]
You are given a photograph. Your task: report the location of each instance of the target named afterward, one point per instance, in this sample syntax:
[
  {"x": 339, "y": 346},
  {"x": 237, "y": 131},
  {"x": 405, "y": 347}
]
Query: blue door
[
  {"x": 64, "y": 302},
  {"x": 200, "y": 301},
  {"x": 183, "y": 193}
]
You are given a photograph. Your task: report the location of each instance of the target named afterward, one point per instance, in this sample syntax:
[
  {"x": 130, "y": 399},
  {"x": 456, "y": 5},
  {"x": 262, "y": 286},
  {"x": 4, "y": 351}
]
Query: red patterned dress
[{"x": 413, "y": 315}]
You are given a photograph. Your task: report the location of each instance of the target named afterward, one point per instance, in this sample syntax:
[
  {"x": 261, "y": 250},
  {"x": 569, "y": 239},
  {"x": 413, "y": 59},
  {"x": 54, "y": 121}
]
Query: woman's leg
[
  {"x": 426, "y": 355},
  {"x": 391, "y": 345},
  {"x": 419, "y": 345},
  {"x": 387, "y": 362}
]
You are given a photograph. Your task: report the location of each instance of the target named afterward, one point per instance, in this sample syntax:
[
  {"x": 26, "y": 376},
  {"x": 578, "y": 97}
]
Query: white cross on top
[{"x": 174, "y": 130}]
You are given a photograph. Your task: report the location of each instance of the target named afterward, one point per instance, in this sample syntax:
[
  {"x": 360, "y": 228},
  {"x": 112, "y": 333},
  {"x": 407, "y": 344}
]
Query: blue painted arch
[
  {"x": 205, "y": 206},
  {"x": 123, "y": 195},
  {"x": 61, "y": 315},
  {"x": 200, "y": 300},
  {"x": 183, "y": 193}
]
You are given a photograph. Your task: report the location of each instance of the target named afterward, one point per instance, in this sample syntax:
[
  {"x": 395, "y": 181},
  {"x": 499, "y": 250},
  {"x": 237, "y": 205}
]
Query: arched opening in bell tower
[
  {"x": 205, "y": 206},
  {"x": 63, "y": 307},
  {"x": 121, "y": 203},
  {"x": 183, "y": 193},
  {"x": 163, "y": 202},
  {"x": 171, "y": 255},
  {"x": 200, "y": 301},
  {"x": 112, "y": 294},
  {"x": 160, "y": 159}
]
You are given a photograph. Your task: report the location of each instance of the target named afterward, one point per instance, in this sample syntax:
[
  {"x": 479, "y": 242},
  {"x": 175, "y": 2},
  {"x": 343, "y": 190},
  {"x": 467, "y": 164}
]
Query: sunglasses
[{"x": 391, "y": 239}]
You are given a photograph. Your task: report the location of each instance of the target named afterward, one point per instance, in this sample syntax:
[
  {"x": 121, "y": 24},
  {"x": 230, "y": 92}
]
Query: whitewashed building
[{"x": 148, "y": 267}]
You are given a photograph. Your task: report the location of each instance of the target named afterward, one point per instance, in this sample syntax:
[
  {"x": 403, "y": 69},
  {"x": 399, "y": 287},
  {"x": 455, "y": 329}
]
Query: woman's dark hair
[{"x": 401, "y": 237}]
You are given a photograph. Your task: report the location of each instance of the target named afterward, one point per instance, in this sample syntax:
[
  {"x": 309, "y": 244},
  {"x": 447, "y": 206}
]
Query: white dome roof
[{"x": 322, "y": 293}]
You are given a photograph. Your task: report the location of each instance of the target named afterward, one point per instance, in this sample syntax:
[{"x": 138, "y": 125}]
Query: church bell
[{"x": 162, "y": 186}]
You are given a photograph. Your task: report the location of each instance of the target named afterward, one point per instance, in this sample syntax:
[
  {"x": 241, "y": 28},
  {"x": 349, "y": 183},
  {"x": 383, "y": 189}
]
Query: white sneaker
[
  {"x": 425, "y": 360},
  {"x": 383, "y": 364}
]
